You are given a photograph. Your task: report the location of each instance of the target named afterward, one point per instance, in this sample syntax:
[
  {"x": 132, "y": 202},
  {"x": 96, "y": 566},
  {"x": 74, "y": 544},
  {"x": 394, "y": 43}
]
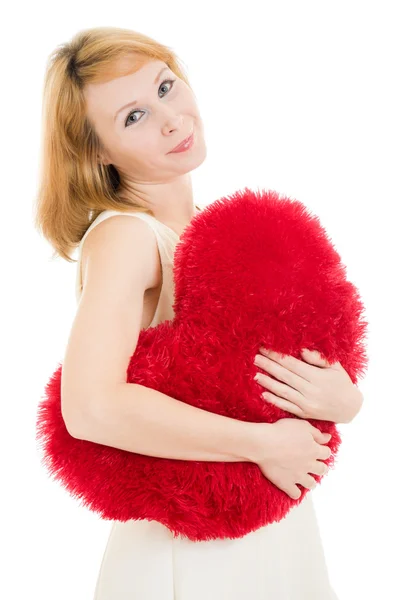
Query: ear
[{"x": 102, "y": 157}]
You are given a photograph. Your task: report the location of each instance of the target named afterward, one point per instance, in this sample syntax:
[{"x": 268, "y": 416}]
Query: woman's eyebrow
[{"x": 135, "y": 101}]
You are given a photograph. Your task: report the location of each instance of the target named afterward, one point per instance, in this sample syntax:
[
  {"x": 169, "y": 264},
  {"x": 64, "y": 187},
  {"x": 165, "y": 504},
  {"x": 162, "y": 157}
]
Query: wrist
[{"x": 255, "y": 436}]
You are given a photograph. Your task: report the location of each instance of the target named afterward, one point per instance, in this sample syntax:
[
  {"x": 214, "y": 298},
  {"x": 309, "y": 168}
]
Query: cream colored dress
[{"x": 142, "y": 560}]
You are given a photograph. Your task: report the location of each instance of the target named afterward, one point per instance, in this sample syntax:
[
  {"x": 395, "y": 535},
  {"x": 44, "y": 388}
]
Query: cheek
[
  {"x": 144, "y": 153},
  {"x": 133, "y": 147}
]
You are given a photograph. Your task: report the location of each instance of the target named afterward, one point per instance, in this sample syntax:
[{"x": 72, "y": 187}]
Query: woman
[{"x": 116, "y": 105}]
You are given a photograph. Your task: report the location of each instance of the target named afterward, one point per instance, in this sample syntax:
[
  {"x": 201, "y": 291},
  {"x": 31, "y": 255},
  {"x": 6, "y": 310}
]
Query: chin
[{"x": 195, "y": 161}]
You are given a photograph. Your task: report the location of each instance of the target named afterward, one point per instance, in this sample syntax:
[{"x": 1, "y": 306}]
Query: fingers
[
  {"x": 323, "y": 452},
  {"x": 318, "y": 468},
  {"x": 307, "y": 481},
  {"x": 294, "y": 492}
]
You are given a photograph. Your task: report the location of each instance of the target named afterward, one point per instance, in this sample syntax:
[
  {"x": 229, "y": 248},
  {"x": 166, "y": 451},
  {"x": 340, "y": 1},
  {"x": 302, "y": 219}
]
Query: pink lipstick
[{"x": 185, "y": 145}]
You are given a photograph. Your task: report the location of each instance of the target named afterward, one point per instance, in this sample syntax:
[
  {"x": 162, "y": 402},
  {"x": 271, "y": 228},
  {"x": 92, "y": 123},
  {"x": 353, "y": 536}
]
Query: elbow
[
  {"x": 78, "y": 418},
  {"x": 73, "y": 424},
  {"x": 84, "y": 411}
]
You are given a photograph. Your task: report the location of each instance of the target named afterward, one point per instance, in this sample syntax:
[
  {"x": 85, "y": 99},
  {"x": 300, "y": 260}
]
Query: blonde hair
[{"x": 73, "y": 186}]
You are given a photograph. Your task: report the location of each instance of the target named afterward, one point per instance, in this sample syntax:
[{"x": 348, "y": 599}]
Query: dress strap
[{"x": 166, "y": 240}]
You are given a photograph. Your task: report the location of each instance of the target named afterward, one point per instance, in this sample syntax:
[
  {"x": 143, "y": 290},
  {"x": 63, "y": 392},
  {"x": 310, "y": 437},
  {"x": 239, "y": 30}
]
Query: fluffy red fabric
[{"x": 251, "y": 269}]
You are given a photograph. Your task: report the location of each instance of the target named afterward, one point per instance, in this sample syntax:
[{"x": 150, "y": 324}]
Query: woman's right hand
[{"x": 288, "y": 451}]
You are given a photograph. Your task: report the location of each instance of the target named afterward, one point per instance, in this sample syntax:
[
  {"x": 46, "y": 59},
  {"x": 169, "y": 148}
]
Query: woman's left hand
[{"x": 310, "y": 388}]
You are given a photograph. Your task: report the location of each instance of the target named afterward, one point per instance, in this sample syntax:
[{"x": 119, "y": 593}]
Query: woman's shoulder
[
  {"x": 106, "y": 214},
  {"x": 119, "y": 237}
]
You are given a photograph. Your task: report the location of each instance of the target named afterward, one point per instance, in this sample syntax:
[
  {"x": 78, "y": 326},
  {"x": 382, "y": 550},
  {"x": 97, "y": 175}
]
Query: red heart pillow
[{"x": 251, "y": 269}]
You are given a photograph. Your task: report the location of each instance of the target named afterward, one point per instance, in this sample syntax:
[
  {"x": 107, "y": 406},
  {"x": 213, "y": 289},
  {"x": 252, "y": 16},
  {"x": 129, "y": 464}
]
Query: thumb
[
  {"x": 321, "y": 437},
  {"x": 314, "y": 358}
]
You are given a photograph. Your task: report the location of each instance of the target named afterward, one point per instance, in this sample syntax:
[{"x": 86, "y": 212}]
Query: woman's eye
[{"x": 130, "y": 122}]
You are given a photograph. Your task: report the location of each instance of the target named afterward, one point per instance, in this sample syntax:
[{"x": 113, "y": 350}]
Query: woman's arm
[
  {"x": 143, "y": 420},
  {"x": 97, "y": 402}
]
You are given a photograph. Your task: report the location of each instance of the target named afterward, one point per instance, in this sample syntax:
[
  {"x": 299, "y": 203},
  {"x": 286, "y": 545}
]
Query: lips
[{"x": 182, "y": 144}]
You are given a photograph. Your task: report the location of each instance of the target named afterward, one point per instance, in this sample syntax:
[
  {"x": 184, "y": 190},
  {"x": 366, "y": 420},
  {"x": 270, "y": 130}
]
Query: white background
[{"x": 300, "y": 97}]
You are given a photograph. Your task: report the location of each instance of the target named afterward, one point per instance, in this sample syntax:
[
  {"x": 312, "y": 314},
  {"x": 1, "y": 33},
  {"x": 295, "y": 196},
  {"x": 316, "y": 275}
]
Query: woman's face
[{"x": 141, "y": 117}]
